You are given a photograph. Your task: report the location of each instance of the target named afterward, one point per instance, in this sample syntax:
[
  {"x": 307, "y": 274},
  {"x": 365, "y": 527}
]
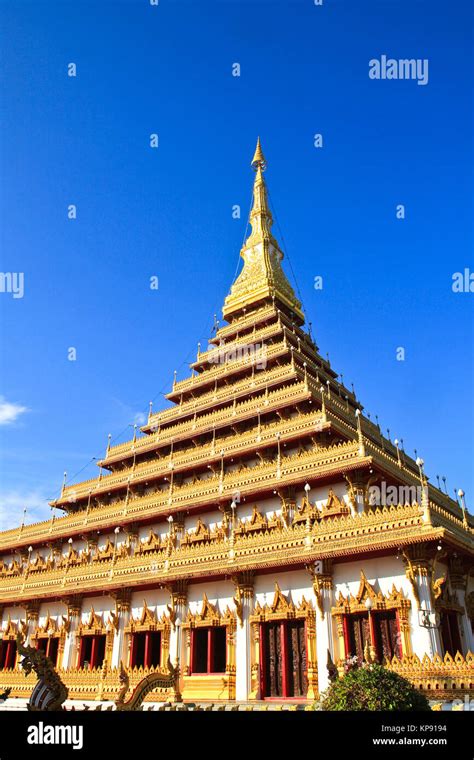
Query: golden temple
[{"x": 246, "y": 535}]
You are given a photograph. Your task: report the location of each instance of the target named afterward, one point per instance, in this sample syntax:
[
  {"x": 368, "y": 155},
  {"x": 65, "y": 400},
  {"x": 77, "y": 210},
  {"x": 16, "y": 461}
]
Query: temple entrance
[
  {"x": 450, "y": 633},
  {"x": 283, "y": 665},
  {"x": 358, "y": 635},
  {"x": 385, "y": 639}
]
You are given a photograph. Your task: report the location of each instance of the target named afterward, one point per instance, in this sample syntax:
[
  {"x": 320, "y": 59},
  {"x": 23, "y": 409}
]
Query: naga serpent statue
[
  {"x": 158, "y": 680},
  {"x": 49, "y": 692}
]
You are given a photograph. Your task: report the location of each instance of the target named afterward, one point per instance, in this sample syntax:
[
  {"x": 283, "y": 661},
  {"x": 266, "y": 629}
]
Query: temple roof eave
[{"x": 382, "y": 533}]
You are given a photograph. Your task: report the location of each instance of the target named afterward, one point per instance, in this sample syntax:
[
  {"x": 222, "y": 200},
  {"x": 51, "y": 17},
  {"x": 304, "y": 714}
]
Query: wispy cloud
[
  {"x": 9, "y": 412},
  {"x": 12, "y": 504},
  {"x": 130, "y": 413}
]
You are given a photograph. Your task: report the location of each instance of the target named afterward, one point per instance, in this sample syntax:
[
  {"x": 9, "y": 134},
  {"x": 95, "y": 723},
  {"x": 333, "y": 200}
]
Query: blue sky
[{"x": 168, "y": 211}]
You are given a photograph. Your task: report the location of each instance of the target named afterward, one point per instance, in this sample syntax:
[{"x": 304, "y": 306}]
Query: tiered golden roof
[{"x": 261, "y": 414}]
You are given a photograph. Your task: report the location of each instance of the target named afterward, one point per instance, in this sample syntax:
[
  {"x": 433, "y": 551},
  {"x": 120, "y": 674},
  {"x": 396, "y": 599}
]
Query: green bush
[{"x": 373, "y": 687}]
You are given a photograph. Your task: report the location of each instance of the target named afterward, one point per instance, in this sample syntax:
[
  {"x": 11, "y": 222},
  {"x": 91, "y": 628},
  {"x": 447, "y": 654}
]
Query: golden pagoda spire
[
  {"x": 262, "y": 278},
  {"x": 258, "y": 157}
]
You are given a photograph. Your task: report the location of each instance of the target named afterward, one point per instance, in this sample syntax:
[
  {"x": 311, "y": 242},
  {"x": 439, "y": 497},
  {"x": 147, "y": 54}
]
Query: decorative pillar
[
  {"x": 403, "y": 623},
  {"x": 177, "y": 612},
  {"x": 312, "y": 656},
  {"x": 322, "y": 588},
  {"x": 74, "y": 606},
  {"x": 257, "y": 676},
  {"x": 32, "y": 617},
  {"x": 426, "y": 637},
  {"x": 243, "y": 601},
  {"x": 121, "y": 620},
  {"x": 288, "y": 505}
]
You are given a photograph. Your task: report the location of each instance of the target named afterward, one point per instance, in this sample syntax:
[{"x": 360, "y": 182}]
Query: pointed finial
[{"x": 258, "y": 158}]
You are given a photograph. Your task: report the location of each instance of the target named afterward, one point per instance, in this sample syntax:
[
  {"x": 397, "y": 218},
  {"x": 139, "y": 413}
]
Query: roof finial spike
[{"x": 258, "y": 160}]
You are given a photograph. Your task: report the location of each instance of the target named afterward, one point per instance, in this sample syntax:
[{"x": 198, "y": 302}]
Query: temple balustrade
[
  {"x": 226, "y": 446},
  {"x": 249, "y": 480},
  {"x": 239, "y": 388},
  {"x": 272, "y": 544},
  {"x": 269, "y": 401}
]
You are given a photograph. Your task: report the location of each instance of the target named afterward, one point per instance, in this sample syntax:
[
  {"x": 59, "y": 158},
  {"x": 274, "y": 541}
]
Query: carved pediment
[
  {"x": 36, "y": 564},
  {"x": 11, "y": 629},
  {"x": 304, "y": 512},
  {"x": 107, "y": 552},
  {"x": 365, "y": 590},
  {"x": 199, "y": 534},
  {"x": 256, "y": 522},
  {"x": 150, "y": 544},
  {"x": 94, "y": 624},
  {"x": 13, "y": 568},
  {"x": 281, "y": 608},
  {"x": 280, "y": 602},
  {"x": 208, "y": 612},
  {"x": 51, "y": 627},
  {"x": 147, "y": 617},
  {"x": 208, "y": 615},
  {"x": 334, "y": 506},
  {"x": 349, "y": 604}
]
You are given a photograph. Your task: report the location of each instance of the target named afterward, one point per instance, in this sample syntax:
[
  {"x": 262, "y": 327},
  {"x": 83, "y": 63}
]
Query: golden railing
[
  {"x": 245, "y": 322},
  {"x": 438, "y": 677},
  {"x": 280, "y": 546},
  {"x": 211, "y": 490},
  {"x": 259, "y": 380},
  {"x": 97, "y": 684},
  {"x": 226, "y": 446},
  {"x": 213, "y": 354},
  {"x": 267, "y": 402}
]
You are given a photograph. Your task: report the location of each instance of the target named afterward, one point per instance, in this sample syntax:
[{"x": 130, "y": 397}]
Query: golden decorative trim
[
  {"x": 438, "y": 677},
  {"x": 148, "y": 621},
  {"x": 350, "y": 604},
  {"x": 209, "y": 616},
  {"x": 282, "y": 608},
  {"x": 93, "y": 626}
]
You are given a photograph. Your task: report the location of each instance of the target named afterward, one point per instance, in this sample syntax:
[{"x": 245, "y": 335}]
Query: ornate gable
[
  {"x": 281, "y": 608},
  {"x": 150, "y": 544},
  {"x": 94, "y": 625},
  {"x": 350, "y": 604},
  {"x": 334, "y": 506}
]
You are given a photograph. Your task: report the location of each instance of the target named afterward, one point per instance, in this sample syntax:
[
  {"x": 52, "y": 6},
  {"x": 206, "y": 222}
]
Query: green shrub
[{"x": 373, "y": 687}]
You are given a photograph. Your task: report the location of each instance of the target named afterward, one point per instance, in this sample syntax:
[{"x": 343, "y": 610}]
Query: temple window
[
  {"x": 7, "y": 654},
  {"x": 373, "y": 625},
  {"x": 50, "y": 646},
  {"x": 209, "y": 640},
  {"x": 92, "y": 651},
  {"x": 284, "y": 667},
  {"x": 148, "y": 639},
  {"x": 379, "y": 632},
  {"x": 146, "y": 649},
  {"x": 208, "y": 646},
  {"x": 95, "y": 641}
]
